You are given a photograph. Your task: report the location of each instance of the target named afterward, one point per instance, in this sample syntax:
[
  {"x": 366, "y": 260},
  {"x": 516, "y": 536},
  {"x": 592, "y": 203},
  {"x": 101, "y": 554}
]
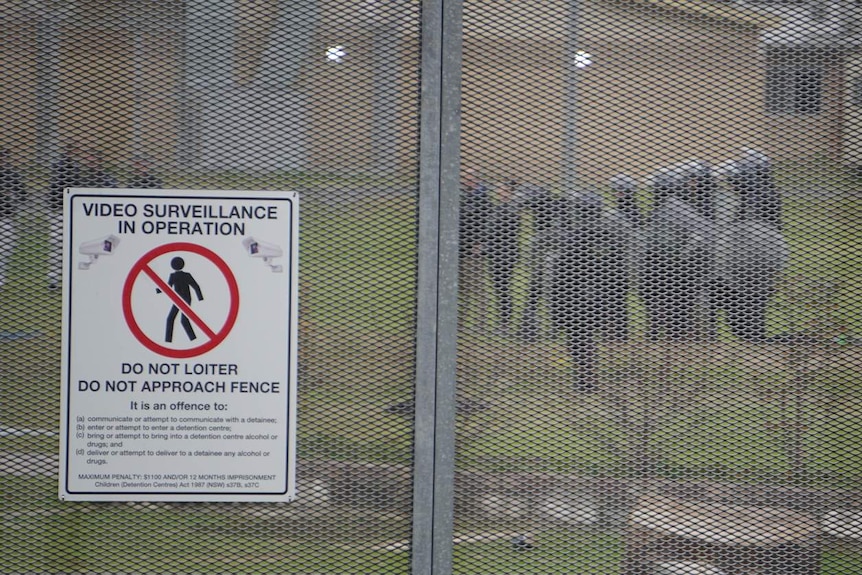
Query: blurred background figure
[
  {"x": 142, "y": 175},
  {"x": 76, "y": 168},
  {"x": 12, "y": 198},
  {"x": 751, "y": 178},
  {"x": 701, "y": 190},
  {"x": 66, "y": 172},
  {"x": 727, "y": 199},
  {"x": 624, "y": 189},
  {"x": 475, "y": 209},
  {"x": 589, "y": 258},
  {"x": 548, "y": 211},
  {"x": 750, "y": 256},
  {"x": 502, "y": 233},
  {"x": 677, "y": 259},
  {"x": 699, "y": 187},
  {"x": 666, "y": 184},
  {"x": 627, "y": 219},
  {"x": 94, "y": 173}
]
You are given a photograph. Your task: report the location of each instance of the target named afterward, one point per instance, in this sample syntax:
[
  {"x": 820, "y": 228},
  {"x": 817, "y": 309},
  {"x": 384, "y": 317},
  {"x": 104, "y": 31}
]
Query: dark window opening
[{"x": 794, "y": 89}]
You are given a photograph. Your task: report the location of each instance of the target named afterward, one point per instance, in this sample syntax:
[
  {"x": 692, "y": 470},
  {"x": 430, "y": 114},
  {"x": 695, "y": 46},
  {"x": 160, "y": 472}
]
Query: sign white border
[{"x": 69, "y": 270}]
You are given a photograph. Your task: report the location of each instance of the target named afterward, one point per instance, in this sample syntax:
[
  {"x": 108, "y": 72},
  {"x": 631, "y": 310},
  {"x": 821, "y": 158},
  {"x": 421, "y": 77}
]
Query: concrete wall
[
  {"x": 665, "y": 85},
  {"x": 652, "y": 100},
  {"x": 801, "y": 137},
  {"x": 20, "y": 81}
]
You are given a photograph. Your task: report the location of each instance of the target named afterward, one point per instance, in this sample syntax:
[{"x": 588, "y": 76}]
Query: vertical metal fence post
[
  {"x": 47, "y": 75},
  {"x": 570, "y": 144},
  {"x": 438, "y": 289}
]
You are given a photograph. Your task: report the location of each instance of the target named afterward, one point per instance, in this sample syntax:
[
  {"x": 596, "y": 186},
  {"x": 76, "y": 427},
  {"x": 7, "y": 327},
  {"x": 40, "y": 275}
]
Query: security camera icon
[
  {"x": 105, "y": 246},
  {"x": 264, "y": 250}
]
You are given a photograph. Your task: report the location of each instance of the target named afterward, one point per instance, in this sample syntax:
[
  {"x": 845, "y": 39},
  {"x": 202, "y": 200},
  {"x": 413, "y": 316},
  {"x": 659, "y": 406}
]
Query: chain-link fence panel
[
  {"x": 659, "y": 315},
  {"x": 315, "y": 96}
]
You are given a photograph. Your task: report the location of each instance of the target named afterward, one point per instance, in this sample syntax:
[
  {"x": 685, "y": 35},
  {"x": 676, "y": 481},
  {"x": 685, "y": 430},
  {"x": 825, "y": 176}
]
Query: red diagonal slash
[
  {"x": 142, "y": 265},
  {"x": 178, "y": 301}
]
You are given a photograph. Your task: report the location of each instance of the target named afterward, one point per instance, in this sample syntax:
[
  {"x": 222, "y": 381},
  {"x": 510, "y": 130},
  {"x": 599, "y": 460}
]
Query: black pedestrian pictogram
[
  {"x": 215, "y": 334},
  {"x": 182, "y": 283}
]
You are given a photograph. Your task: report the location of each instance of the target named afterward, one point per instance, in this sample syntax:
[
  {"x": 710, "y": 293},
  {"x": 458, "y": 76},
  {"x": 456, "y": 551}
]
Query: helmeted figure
[
  {"x": 624, "y": 189},
  {"x": 750, "y": 255},
  {"x": 474, "y": 210},
  {"x": 548, "y": 211},
  {"x": 503, "y": 226},
  {"x": 627, "y": 218},
  {"x": 589, "y": 260},
  {"x": 700, "y": 188},
  {"x": 759, "y": 199},
  {"x": 677, "y": 260}
]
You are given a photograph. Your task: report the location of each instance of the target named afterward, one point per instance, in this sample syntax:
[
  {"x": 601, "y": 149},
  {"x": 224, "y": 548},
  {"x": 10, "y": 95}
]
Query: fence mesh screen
[
  {"x": 317, "y": 97},
  {"x": 659, "y": 301},
  {"x": 659, "y": 342}
]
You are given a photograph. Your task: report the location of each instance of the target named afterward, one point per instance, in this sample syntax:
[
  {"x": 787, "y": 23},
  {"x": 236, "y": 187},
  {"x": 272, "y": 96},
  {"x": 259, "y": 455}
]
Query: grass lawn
[{"x": 720, "y": 411}]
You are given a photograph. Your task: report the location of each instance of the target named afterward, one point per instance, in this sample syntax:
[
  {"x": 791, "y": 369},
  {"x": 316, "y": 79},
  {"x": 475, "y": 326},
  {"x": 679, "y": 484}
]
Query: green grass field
[{"x": 717, "y": 412}]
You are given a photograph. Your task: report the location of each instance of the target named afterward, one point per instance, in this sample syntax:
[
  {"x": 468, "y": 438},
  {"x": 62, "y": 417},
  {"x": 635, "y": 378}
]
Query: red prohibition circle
[{"x": 139, "y": 267}]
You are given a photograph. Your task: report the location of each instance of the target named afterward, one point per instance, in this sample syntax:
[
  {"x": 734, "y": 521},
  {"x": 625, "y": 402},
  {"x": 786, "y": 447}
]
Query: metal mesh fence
[
  {"x": 658, "y": 313},
  {"x": 306, "y": 96},
  {"x": 659, "y": 303}
]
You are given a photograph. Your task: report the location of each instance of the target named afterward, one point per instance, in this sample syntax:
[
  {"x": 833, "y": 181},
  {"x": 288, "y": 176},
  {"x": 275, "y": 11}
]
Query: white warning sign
[{"x": 179, "y": 345}]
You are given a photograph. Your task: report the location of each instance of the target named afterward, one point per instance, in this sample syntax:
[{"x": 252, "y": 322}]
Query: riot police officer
[
  {"x": 700, "y": 188},
  {"x": 548, "y": 211},
  {"x": 475, "y": 208},
  {"x": 589, "y": 259},
  {"x": 751, "y": 178},
  {"x": 624, "y": 189},
  {"x": 501, "y": 245},
  {"x": 750, "y": 251},
  {"x": 626, "y": 216},
  {"x": 677, "y": 260}
]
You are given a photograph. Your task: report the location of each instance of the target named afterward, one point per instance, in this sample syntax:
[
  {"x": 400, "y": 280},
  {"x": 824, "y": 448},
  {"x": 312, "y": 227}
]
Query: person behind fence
[
  {"x": 702, "y": 193},
  {"x": 590, "y": 256},
  {"x": 624, "y": 189},
  {"x": 751, "y": 178},
  {"x": 142, "y": 174},
  {"x": 501, "y": 244},
  {"x": 676, "y": 263},
  {"x": 65, "y": 173},
  {"x": 626, "y": 216},
  {"x": 94, "y": 173},
  {"x": 699, "y": 188},
  {"x": 547, "y": 210},
  {"x": 750, "y": 256},
  {"x": 76, "y": 168},
  {"x": 475, "y": 207},
  {"x": 12, "y": 198}
]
